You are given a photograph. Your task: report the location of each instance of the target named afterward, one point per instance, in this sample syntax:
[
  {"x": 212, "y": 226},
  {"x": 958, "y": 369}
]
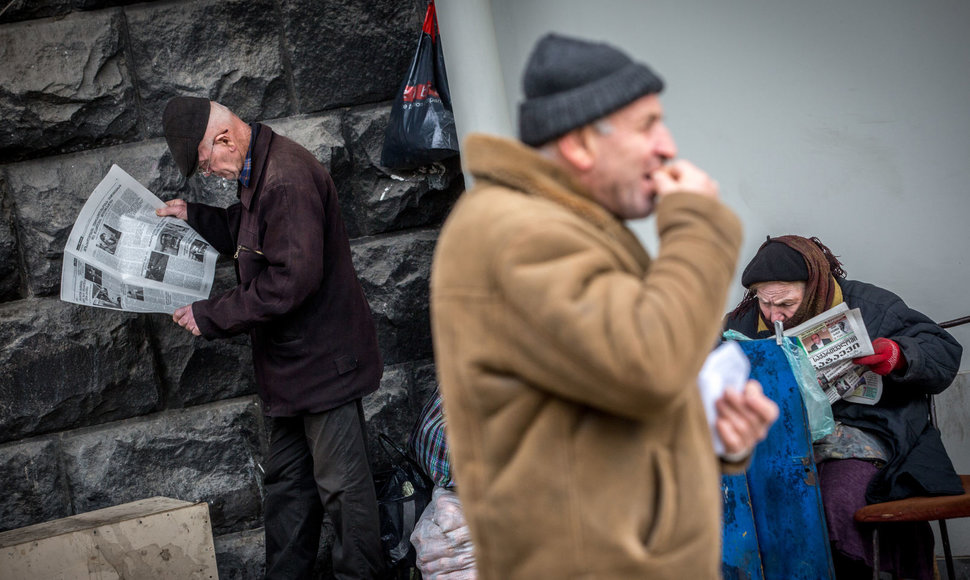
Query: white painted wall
[{"x": 845, "y": 120}]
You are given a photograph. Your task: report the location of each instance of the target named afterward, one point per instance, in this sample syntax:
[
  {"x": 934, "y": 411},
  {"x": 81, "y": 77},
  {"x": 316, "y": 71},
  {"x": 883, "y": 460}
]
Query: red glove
[{"x": 887, "y": 358}]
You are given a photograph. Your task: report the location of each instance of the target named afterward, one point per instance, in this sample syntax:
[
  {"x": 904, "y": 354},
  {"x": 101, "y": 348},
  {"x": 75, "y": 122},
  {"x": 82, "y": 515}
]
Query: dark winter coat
[
  {"x": 313, "y": 339},
  {"x": 919, "y": 464}
]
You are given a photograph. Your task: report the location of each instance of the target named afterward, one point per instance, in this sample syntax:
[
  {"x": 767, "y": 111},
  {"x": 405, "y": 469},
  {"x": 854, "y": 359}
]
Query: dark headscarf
[{"x": 791, "y": 259}]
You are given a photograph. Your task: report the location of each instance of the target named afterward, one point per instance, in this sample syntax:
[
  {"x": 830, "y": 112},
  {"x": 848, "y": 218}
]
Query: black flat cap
[
  {"x": 184, "y": 123},
  {"x": 775, "y": 262}
]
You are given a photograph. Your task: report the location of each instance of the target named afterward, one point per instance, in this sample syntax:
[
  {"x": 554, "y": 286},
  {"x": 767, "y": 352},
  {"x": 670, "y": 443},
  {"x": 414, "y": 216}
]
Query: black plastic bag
[
  {"x": 421, "y": 128},
  {"x": 403, "y": 492}
]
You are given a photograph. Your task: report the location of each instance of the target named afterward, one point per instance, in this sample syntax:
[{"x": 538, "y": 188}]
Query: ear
[
  {"x": 226, "y": 139},
  {"x": 577, "y": 148}
]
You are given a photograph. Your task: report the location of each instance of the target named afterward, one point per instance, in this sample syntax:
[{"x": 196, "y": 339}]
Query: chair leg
[
  {"x": 875, "y": 552},
  {"x": 946, "y": 550}
]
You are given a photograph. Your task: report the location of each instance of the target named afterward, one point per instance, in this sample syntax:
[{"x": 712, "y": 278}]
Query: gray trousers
[{"x": 318, "y": 464}]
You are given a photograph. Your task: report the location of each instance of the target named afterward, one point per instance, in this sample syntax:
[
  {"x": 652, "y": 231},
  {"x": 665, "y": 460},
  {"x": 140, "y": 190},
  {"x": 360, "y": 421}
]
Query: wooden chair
[{"x": 918, "y": 509}]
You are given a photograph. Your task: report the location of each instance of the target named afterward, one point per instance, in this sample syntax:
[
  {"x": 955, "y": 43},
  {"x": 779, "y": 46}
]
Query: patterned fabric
[
  {"x": 845, "y": 442},
  {"x": 429, "y": 445},
  {"x": 247, "y": 169}
]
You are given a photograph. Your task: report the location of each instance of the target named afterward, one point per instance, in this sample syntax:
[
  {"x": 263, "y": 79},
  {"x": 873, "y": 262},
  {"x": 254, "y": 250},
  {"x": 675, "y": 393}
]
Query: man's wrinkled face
[
  {"x": 629, "y": 145},
  {"x": 215, "y": 157},
  {"x": 779, "y": 300}
]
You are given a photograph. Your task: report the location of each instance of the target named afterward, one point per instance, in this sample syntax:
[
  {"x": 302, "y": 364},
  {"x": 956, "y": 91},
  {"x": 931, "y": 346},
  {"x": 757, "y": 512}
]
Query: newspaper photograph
[
  {"x": 120, "y": 255},
  {"x": 831, "y": 340}
]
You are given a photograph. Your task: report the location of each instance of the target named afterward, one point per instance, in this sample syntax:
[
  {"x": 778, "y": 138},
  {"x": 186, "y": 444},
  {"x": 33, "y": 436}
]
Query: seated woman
[{"x": 879, "y": 452}]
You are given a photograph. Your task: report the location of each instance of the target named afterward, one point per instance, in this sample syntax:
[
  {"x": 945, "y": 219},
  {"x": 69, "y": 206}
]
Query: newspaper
[
  {"x": 120, "y": 255},
  {"x": 831, "y": 340}
]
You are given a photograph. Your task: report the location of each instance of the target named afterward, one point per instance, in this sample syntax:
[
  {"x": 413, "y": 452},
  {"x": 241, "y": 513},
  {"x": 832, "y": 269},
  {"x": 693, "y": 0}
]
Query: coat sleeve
[
  {"x": 640, "y": 339},
  {"x": 215, "y": 225},
  {"x": 932, "y": 354},
  {"x": 279, "y": 269}
]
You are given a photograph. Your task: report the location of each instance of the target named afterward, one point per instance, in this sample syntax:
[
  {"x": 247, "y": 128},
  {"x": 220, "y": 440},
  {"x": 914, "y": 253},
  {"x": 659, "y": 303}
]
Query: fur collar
[{"x": 513, "y": 165}]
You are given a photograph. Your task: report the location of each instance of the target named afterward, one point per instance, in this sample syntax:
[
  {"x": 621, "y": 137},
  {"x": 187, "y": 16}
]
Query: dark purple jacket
[{"x": 313, "y": 338}]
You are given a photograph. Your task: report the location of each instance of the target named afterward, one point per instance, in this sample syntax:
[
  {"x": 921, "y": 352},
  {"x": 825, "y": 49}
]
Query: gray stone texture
[
  {"x": 99, "y": 407},
  {"x": 66, "y": 85},
  {"x": 330, "y": 70},
  {"x": 241, "y": 555},
  {"x": 394, "y": 272},
  {"x": 424, "y": 384},
  {"x": 47, "y": 195},
  {"x": 194, "y": 370},
  {"x": 209, "y": 453},
  {"x": 227, "y": 51},
  {"x": 12, "y": 285},
  {"x": 323, "y": 136},
  {"x": 64, "y": 366},
  {"x": 393, "y": 409},
  {"x": 17, "y": 10},
  {"x": 33, "y": 484}
]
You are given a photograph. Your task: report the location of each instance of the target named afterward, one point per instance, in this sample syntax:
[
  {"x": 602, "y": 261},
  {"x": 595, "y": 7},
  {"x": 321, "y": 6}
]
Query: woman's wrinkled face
[{"x": 779, "y": 300}]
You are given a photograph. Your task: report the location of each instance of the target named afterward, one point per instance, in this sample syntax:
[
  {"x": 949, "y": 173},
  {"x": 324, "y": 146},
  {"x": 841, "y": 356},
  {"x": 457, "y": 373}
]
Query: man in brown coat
[
  {"x": 313, "y": 339},
  {"x": 567, "y": 357}
]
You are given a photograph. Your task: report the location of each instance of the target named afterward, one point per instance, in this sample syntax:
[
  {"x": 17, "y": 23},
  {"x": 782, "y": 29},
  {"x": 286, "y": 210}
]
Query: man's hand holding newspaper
[{"x": 122, "y": 255}]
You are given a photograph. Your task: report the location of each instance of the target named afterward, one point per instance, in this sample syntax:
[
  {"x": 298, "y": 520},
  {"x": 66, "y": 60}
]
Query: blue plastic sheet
[{"x": 817, "y": 406}]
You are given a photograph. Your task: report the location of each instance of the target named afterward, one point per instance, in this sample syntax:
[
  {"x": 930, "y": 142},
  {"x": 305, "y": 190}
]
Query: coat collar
[
  {"x": 259, "y": 158},
  {"x": 514, "y": 165}
]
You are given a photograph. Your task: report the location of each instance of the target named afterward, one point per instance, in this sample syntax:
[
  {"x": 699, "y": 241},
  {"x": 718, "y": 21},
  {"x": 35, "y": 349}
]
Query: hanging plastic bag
[
  {"x": 403, "y": 492},
  {"x": 817, "y": 406},
  {"x": 421, "y": 128}
]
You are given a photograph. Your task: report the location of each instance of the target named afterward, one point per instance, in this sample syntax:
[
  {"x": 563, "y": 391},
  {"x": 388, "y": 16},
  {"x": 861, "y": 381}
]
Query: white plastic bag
[{"x": 442, "y": 540}]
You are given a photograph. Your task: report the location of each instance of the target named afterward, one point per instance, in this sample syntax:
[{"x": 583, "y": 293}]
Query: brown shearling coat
[{"x": 567, "y": 361}]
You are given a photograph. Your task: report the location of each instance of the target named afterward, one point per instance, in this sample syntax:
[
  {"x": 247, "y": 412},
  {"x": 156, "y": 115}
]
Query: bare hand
[
  {"x": 176, "y": 208},
  {"x": 743, "y": 419},
  {"x": 682, "y": 176},
  {"x": 186, "y": 319}
]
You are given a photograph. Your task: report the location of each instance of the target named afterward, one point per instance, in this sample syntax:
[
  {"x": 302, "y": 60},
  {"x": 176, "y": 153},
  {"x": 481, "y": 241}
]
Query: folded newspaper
[
  {"x": 832, "y": 339},
  {"x": 121, "y": 255}
]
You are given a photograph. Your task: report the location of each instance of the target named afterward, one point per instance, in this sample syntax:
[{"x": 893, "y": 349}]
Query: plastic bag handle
[
  {"x": 431, "y": 20},
  {"x": 388, "y": 442}
]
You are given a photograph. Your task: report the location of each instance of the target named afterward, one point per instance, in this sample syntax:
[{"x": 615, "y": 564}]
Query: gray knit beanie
[{"x": 569, "y": 83}]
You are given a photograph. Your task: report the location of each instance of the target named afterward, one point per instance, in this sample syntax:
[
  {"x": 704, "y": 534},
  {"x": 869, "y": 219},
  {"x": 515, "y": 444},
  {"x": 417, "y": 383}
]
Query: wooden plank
[
  {"x": 919, "y": 509},
  {"x": 152, "y": 538}
]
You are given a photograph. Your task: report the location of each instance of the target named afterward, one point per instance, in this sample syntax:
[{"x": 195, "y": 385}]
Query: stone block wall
[{"x": 99, "y": 407}]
